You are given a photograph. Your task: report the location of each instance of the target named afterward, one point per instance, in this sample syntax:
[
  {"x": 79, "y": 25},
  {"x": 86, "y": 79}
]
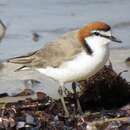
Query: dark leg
[
  {"x": 60, "y": 91},
  {"x": 79, "y": 109}
]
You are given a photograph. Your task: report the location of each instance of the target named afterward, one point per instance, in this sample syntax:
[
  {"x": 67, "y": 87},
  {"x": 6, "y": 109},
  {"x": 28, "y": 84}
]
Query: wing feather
[{"x": 53, "y": 54}]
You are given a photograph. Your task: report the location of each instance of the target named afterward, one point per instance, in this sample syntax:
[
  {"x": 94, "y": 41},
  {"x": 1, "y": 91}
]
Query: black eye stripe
[
  {"x": 101, "y": 35},
  {"x": 108, "y": 37},
  {"x": 96, "y": 33}
]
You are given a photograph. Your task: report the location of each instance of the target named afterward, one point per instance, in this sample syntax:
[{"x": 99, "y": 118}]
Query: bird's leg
[
  {"x": 79, "y": 109},
  {"x": 60, "y": 91}
]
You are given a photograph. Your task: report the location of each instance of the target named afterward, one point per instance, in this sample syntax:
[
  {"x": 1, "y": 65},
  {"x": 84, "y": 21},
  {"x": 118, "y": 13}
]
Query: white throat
[{"x": 97, "y": 42}]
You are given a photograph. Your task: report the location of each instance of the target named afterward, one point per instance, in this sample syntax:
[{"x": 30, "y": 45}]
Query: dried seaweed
[{"x": 106, "y": 89}]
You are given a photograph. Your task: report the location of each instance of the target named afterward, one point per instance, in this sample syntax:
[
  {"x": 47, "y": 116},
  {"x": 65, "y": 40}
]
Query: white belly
[{"x": 81, "y": 67}]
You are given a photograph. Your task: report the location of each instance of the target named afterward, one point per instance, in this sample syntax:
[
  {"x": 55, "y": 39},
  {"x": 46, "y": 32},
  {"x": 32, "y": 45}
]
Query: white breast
[{"x": 81, "y": 67}]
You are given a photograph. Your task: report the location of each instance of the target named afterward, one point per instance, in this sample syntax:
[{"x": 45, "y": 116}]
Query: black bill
[{"x": 114, "y": 39}]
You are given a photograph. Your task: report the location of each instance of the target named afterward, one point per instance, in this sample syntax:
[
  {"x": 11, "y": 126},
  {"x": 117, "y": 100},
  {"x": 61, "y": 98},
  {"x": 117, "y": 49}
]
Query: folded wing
[{"x": 53, "y": 54}]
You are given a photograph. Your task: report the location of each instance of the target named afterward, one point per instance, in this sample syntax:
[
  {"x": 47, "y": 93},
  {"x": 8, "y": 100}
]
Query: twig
[{"x": 100, "y": 122}]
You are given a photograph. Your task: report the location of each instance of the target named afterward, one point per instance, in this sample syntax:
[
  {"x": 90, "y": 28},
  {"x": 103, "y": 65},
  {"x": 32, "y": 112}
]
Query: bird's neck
[{"x": 96, "y": 46}]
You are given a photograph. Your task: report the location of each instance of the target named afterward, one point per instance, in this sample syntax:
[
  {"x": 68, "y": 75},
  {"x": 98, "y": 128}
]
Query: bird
[
  {"x": 2, "y": 30},
  {"x": 35, "y": 37},
  {"x": 75, "y": 56}
]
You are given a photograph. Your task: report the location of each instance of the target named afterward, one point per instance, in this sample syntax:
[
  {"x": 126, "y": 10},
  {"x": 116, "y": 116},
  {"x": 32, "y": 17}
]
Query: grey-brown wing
[
  {"x": 24, "y": 59},
  {"x": 53, "y": 54}
]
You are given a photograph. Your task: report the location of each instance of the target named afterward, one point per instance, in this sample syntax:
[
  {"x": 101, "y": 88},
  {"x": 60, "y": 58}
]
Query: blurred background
[
  {"x": 45, "y": 20},
  {"x": 52, "y": 18}
]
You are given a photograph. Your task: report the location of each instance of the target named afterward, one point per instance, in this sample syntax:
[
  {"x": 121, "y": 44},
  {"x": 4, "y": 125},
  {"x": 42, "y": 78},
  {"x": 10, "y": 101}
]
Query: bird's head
[{"x": 96, "y": 33}]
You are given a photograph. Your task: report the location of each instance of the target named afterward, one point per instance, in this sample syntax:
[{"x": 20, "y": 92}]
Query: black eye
[{"x": 96, "y": 33}]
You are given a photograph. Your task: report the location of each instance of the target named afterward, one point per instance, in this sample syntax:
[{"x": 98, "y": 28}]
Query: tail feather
[
  {"x": 20, "y": 60},
  {"x": 25, "y": 59},
  {"x": 22, "y": 68}
]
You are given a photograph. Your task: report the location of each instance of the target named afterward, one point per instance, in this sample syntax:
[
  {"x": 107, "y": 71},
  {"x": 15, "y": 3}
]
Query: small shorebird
[
  {"x": 75, "y": 56},
  {"x": 2, "y": 30},
  {"x": 35, "y": 37}
]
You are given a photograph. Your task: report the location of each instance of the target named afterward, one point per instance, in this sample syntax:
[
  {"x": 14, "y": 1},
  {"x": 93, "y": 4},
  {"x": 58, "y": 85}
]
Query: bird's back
[{"x": 53, "y": 54}]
